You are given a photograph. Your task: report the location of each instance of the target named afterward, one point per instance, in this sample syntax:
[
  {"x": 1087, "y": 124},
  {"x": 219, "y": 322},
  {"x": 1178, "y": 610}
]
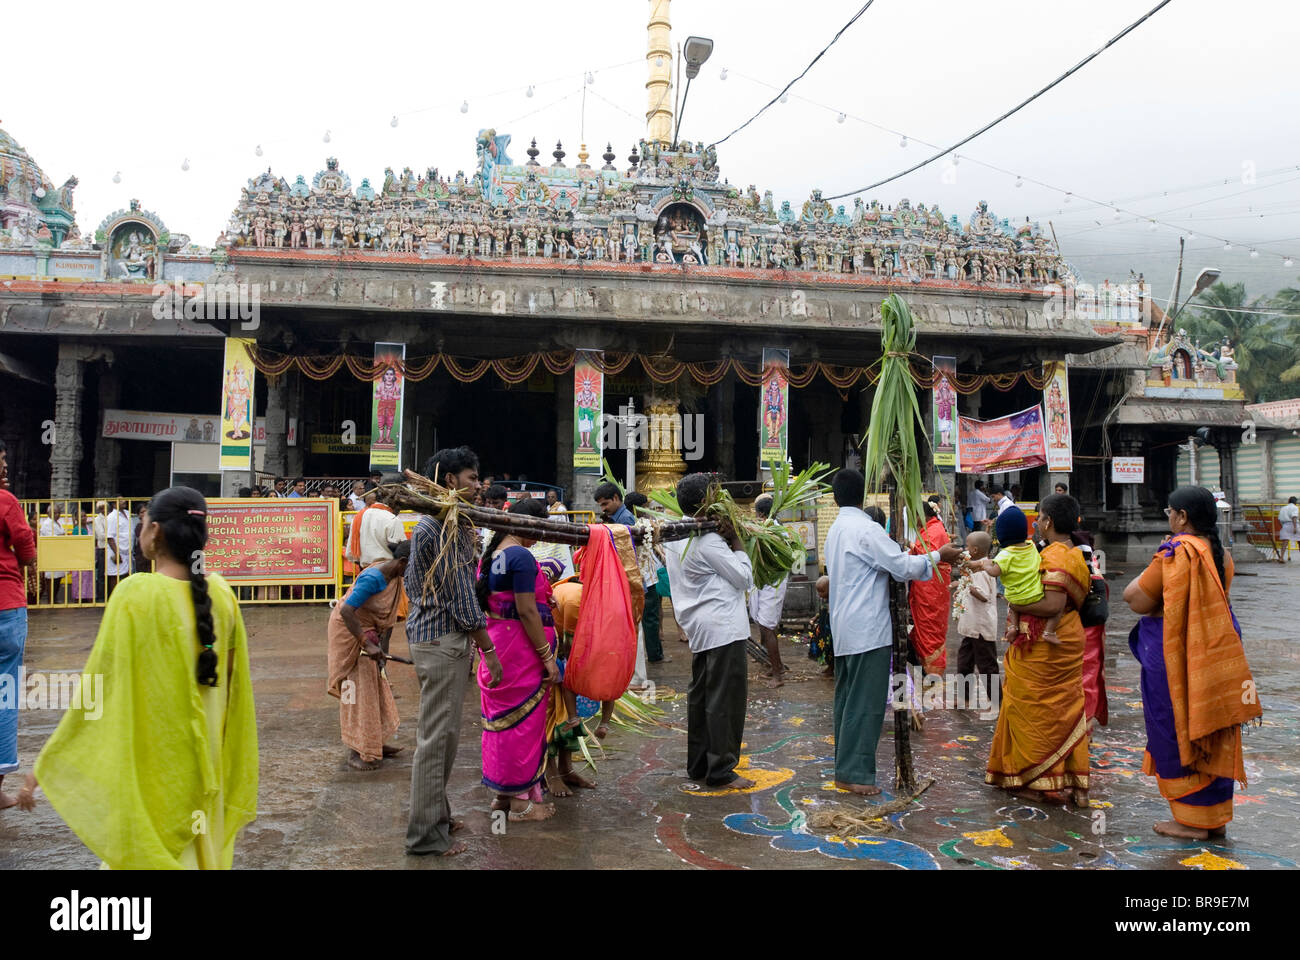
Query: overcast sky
[{"x": 1202, "y": 96}]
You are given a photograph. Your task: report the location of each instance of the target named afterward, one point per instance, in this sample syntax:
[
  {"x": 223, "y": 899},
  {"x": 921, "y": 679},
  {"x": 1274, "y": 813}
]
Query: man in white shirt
[
  {"x": 1289, "y": 525},
  {"x": 708, "y": 575},
  {"x": 358, "y": 496},
  {"x": 1001, "y": 502},
  {"x": 978, "y": 502},
  {"x": 860, "y": 560},
  {"x": 50, "y": 527},
  {"x": 554, "y": 504},
  {"x": 99, "y": 526},
  {"x": 381, "y": 530},
  {"x": 117, "y": 539}
]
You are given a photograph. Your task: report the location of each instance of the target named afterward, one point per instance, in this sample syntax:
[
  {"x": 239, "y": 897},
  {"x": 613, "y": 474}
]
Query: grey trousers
[{"x": 443, "y": 669}]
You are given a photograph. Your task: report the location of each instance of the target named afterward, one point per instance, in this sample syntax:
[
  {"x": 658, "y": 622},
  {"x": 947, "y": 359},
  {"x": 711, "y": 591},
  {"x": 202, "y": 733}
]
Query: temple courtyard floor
[{"x": 314, "y": 812}]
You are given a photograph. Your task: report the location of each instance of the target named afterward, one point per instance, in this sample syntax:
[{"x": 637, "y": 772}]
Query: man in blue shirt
[
  {"x": 860, "y": 560},
  {"x": 611, "y": 505}
]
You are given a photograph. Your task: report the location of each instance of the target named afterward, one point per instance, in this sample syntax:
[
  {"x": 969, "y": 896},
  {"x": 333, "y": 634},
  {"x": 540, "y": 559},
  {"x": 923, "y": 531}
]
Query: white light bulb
[
  {"x": 464, "y": 106},
  {"x": 956, "y": 159},
  {"x": 1227, "y": 244},
  {"x": 1254, "y": 252},
  {"x": 258, "y": 151},
  {"x": 326, "y": 138},
  {"x": 785, "y": 98},
  {"x": 1020, "y": 182},
  {"x": 529, "y": 91},
  {"x": 840, "y": 118},
  {"x": 185, "y": 164},
  {"x": 723, "y": 74},
  {"x": 1191, "y": 237},
  {"x": 1151, "y": 226},
  {"x": 1068, "y": 196},
  {"x": 591, "y": 79},
  {"x": 1288, "y": 262},
  {"x": 393, "y": 122},
  {"x": 1116, "y": 214},
  {"x": 903, "y": 143},
  {"x": 117, "y": 177}
]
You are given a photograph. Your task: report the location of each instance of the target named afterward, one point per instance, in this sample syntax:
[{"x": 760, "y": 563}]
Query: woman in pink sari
[{"x": 516, "y": 595}]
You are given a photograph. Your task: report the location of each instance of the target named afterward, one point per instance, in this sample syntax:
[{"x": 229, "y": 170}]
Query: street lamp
[
  {"x": 1199, "y": 439},
  {"x": 1203, "y": 280},
  {"x": 696, "y": 51}
]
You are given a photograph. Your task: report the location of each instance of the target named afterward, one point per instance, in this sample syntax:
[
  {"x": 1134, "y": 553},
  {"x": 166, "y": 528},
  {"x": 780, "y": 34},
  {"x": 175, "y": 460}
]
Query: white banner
[
  {"x": 170, "y": 427},
  {"x": 1127, "y": 469}
]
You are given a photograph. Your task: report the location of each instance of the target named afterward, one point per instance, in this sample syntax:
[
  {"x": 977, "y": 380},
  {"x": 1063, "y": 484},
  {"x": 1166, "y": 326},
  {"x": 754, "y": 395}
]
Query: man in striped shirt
[{"x": 439, "y": 628}]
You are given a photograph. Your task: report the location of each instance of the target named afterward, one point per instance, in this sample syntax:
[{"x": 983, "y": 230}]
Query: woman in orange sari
[
  {"x": 1197, "y": 690},
  {"x": 931, "y": 600},
  {"x": 1040, "y": 747}
]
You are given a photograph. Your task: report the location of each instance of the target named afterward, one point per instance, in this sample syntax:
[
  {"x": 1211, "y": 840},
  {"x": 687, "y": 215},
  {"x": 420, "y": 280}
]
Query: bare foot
[
  {"x": 555, "y": 784},
  {"x": 602, "y": 732},
  {"x": 1079, "y": 798},
  {"x": 829, "y": 672},
  {"x": 740, "y": 783},
  {"x": 502, "y": 802},
  {"x": 574, "y": 780},
  {"x": 1032, "y": 796},
  {"x": 1218, "y": 833},
  {"x": 1172, "y": 828},
  {"x": 357, "y": 763},
  {"x": 7, "y": 801},
  {"x": 391, "y": 751},
  {"x": 918, "y": 719},
  {"x": 455, "y": 850},
  {"x": 532, "y": 811},
  {"x": 861, "y": 789},
  {"x": 1051, "y": 638},
  {"x": 774, "y": 682},
  {"x": 456, "y": 824}
]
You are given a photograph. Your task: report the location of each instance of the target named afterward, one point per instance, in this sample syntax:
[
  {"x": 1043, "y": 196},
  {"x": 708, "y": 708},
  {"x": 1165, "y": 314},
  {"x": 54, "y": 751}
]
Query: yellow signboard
[
  {"x": 65, "y": 553},
  {"x": 332, "y": 443}
]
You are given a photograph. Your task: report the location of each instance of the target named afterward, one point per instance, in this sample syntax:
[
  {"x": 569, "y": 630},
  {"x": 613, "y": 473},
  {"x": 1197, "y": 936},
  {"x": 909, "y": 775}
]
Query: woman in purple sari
[{"x": 516, "y": 595}]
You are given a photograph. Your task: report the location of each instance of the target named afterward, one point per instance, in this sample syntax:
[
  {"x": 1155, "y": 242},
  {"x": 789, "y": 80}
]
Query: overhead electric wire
[
  {"x": 1020, "y": 106},
  {"x": 811, "y": 63}
]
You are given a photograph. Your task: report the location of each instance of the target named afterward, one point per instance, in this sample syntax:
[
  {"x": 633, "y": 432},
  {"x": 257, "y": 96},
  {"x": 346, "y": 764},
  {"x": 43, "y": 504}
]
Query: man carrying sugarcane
[
  {"x": 861, "y": 559},
  {"x": 709, "y": 575}
]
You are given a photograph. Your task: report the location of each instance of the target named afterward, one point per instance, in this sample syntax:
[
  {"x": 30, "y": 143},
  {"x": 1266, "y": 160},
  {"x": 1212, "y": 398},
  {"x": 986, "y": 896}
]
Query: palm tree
[
  {"x": 1259, "y": 343},
  {"x": 1288, "y": 301}
]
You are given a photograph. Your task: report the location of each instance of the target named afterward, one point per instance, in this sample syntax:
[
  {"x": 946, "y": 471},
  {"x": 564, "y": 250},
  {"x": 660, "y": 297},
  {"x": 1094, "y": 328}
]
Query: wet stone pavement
[{"x": 314, "y": 812}]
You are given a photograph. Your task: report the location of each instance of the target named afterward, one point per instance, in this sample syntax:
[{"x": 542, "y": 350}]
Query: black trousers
[
  {"x": 715, "y": 713},
  {"x": 977, "y": 654}
]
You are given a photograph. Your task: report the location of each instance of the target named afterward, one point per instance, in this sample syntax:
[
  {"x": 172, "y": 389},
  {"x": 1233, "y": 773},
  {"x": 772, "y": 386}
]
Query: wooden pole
[{"x": 900, "y": 617}]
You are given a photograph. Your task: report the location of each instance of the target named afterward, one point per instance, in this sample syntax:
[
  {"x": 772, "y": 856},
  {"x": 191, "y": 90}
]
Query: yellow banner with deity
[{"x": 237, "y": 406}]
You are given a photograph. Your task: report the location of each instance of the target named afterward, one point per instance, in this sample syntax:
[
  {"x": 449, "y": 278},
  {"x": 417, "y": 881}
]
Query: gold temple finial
[{"x": 659, "y": 60}]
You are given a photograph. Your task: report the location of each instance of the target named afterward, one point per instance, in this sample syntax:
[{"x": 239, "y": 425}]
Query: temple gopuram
[{"x": 496, "y": 280}]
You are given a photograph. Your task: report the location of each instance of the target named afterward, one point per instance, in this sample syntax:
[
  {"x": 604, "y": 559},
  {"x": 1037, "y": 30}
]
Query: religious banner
[
  {"x": 269, "y": 540},
  {"x": 945, "y": 413},
  {"x": 169, "y": 427},
  {"x": 774, "y": 408},
  {"x": 386, "y": 408},
  {"x": 1056, "y": 421},
  {"x": 588, "y": 410},
  {"x": 996, "y": 446},
  {"x": 237, "y": 406}
]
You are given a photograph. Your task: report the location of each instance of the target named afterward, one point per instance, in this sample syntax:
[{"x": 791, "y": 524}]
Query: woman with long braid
[
  {"x": 1197, "y": 690},
  {"x": 161, "y": 772}
]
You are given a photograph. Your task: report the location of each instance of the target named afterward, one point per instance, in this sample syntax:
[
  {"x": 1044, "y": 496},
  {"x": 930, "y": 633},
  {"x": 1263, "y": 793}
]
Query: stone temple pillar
[
  {"x": 66, "y": 447},
  {"x": 108, "y": 452},
  {"x": 276, "y": 457},
  {"x": 1267, "y": 484},
  {"x": 564, "y": 436},
  {"x": 1228, "y": 471},
  {"x": 1130, "y": 511},
  {"x": 297, "y": 455}
]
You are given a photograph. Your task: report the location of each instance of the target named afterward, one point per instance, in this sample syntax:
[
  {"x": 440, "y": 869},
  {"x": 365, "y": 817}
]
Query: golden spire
[{"x": 659, "y": 60}]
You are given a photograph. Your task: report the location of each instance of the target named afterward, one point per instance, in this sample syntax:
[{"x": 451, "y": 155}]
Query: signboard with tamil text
[
  {"x": 997, "y": 446},
  {"x": 1127, "y": 470},
  {"x": 270, "y": 540}
]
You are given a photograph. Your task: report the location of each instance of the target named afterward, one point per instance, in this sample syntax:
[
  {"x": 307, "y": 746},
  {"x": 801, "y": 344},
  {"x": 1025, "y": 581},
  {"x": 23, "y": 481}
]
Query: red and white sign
[
  {"x": 1127, "y": 469},
  {"x": 171, "y": 427}
]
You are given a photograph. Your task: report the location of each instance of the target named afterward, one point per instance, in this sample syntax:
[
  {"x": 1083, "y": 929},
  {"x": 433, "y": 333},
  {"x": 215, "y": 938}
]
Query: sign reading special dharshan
[
  {"x": 997, "y": 446},
  {"x": 270, "y": 540}
]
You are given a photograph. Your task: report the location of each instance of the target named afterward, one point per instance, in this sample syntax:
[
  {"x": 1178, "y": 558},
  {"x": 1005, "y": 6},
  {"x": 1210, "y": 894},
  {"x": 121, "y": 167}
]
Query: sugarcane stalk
[{"x": 900, "y": 617}]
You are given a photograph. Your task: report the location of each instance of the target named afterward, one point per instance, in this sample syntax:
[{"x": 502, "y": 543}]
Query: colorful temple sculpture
[{"x": 666, "y": 208}]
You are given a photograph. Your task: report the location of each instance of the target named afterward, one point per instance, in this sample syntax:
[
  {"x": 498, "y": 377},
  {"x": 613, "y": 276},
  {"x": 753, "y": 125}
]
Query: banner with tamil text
[
  {"x": 269, "y": 540},
  {"x": 996, "y": 446}
]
